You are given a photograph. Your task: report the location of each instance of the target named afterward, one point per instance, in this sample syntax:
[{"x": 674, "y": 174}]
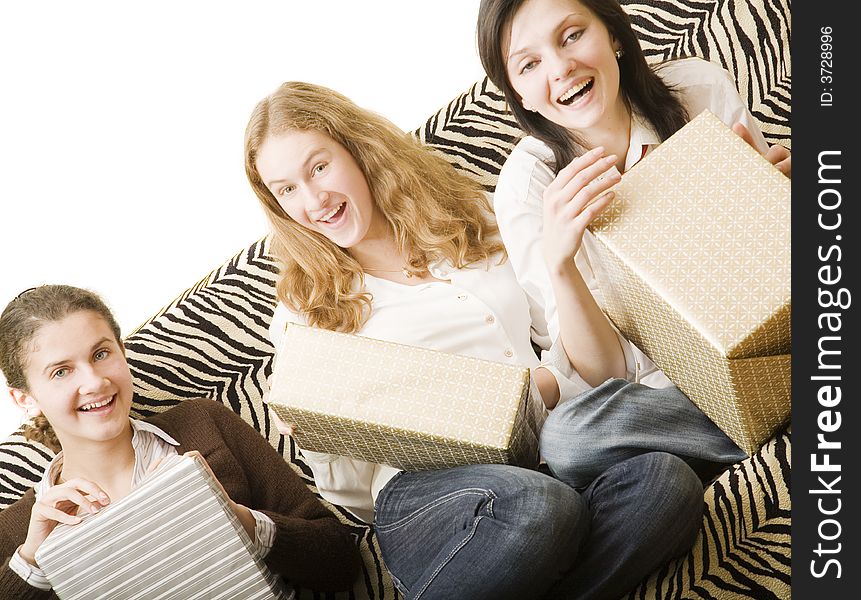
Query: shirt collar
[
  {"x": 138, "y": 426},
  {"x": 642, "y": 134},
  {"x": 54, "y": 467}
]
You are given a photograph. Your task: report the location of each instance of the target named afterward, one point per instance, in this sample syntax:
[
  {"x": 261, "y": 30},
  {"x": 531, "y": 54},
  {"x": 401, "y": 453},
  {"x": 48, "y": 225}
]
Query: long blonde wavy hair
[{"x": 434, "y": 211}]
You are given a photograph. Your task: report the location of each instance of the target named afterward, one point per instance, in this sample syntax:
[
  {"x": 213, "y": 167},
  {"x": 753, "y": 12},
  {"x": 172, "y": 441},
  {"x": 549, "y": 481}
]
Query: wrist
[
  {"x": 563, "y": 269},
  {"x": 246, "y": 519},
  {"x": 28, "y": 554}
]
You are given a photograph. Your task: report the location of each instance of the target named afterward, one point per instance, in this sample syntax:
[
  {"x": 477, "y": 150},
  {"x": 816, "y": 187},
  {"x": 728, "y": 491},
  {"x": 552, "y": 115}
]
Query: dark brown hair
[
  {"x": 20, "y": 322},
  {"x": 642, "y": 90}
]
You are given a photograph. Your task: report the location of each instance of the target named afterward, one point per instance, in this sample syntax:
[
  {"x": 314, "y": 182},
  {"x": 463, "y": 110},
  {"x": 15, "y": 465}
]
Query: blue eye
[
  {"x": 573, "y": 37},
  {"x": 286, "y": 190},
  {"x": 320, "y": 168},
  {"x": 101, "y": 355},
  {"x": 59, "y": 373},
  {"x": 528, "y": 66}
]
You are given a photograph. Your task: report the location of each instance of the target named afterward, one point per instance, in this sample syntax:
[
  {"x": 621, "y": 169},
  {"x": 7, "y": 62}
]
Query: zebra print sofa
[{"x": 212, "y": 340}]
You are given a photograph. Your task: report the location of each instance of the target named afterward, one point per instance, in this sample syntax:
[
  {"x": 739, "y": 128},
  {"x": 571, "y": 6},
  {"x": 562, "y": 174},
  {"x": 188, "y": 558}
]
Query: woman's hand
[
  {"x": 777, "y": 155},
  {"x": 60, "y": 504},
  {"x": 282, "y": 427},
  {"x": 573, "y": 200}
]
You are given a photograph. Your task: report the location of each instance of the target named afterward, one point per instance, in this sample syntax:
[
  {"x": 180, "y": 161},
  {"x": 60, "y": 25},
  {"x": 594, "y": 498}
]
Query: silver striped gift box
[{"x": 174, "y": 536}]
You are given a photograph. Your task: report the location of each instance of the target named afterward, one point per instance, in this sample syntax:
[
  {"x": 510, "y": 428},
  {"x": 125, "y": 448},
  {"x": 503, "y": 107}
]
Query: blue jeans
[
  {"x": 618, "y": 420},
  {"x": 498, "y": 532}
]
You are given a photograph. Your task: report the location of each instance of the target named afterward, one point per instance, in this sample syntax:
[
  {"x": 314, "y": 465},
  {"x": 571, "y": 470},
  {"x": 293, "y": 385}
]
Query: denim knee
[
  {"x": 568, "y": 449},
  {"x": 677, "y": 498},
  {"x": 552, "y": 523},
  {"x": 540, "y": 506},
  {"x": 475, "y": 525}
]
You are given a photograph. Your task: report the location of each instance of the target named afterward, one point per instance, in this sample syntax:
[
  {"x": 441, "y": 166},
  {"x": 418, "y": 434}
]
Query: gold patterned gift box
[
  {"x": 693, "y": 261},
  {"x": 173, "y": 537},
  {"x": 404, "y": 406}
]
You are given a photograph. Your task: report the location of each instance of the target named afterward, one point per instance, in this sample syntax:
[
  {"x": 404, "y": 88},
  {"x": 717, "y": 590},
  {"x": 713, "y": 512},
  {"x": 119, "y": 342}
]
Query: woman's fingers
[
  {"x": 196, "y": 454},
  {"x": 65, "y": 500},
  {"x": 777, "y": 155},
  {"x": 282, "y": 427},
  {"x": 781, "y": 158},
  {"x": 51, "y": 513},
  {"x": 583, "y": 179},
  {"x": 581, "y": 220},
  {"x": 570, "y": 172},
  {"x": 83, "y": 487},
  {"x": 603, "y": 176},
  {"x": 743, "y": 132}
]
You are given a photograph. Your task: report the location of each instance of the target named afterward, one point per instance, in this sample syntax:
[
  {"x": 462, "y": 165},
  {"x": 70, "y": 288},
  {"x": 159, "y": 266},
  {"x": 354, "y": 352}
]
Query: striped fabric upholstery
[{"x": 212, "y": 340}]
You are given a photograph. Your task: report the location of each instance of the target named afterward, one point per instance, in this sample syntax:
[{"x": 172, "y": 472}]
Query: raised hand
[
  {"x": 60, "y": 504},
  {"x": 573, "y": 200},
  {"x": 777, "y": 155}
]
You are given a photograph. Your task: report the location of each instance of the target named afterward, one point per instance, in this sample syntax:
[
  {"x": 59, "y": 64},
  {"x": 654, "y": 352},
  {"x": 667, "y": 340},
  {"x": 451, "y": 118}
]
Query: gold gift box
[
  {"x": 404, "y": 406},
  {"x": 173, "y": 537},
  {"x": 693, "y": 261}
]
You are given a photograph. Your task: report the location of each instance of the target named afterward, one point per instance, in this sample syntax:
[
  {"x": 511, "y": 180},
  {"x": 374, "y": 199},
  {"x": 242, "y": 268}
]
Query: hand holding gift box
[
  {"x": 407, "y": 407},
  {"x": 174, "y": 536},
  {"x": 693, "y": 258}
]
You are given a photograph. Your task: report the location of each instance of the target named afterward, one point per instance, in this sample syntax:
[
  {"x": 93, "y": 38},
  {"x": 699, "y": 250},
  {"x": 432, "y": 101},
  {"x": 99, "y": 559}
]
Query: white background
[{"x": 121, "y": 126}]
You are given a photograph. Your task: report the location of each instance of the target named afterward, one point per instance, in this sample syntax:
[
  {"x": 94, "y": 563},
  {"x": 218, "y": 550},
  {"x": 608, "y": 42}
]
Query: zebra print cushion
[{"x": 212, "y": 340}]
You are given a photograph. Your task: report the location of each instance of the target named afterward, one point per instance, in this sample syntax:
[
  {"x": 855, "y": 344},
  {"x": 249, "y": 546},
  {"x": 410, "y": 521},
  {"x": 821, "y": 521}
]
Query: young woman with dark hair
[
  {"x": 65, "y": 364},
  {"x": 575, "y": 78}
]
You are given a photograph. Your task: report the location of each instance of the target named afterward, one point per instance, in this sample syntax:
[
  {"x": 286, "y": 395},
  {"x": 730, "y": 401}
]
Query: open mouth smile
[
  {"x": 334, "y": 214},
  {"x": 94, "y": 406},
  {"x": 576, "y": 91}
]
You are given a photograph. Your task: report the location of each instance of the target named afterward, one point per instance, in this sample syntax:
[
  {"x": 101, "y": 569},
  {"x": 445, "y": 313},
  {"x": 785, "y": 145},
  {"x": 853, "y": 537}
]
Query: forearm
[
  {"x": 589, "y": 341},
  {"x": 246, "y": 519}
]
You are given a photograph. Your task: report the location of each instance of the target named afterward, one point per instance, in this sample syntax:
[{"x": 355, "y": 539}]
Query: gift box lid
[{"x": 722, "y": 262}]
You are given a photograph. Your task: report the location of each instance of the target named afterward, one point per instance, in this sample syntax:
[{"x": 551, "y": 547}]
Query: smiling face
[
  {"x": 560, "y": 59},
  {"x": 319, "y": 185},
  {"x": 78, "y": 378}
]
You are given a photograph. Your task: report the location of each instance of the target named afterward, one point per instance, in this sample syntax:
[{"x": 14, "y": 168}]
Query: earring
[{"x": 619, "y": 53}]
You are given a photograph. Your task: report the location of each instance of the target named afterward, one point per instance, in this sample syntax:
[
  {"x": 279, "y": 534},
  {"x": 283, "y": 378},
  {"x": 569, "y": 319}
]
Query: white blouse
[
  {"x": 518, "y": 198},
  {"x": 478, "y": 311}
]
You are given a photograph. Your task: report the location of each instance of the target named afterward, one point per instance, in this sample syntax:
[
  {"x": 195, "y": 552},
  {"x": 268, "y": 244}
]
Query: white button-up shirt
[{"x": 518, "y": 198}]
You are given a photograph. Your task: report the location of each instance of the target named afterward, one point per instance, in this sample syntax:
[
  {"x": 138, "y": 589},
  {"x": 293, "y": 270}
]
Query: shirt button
[
  {"x": 462, "y": 297},
  {"x": 489, "y": 319},
  {"x": 509, "y": 353}
]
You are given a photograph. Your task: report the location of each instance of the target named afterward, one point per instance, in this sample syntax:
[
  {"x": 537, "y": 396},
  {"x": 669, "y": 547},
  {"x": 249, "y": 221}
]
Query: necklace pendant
[{"x": 407, "y": 273}]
